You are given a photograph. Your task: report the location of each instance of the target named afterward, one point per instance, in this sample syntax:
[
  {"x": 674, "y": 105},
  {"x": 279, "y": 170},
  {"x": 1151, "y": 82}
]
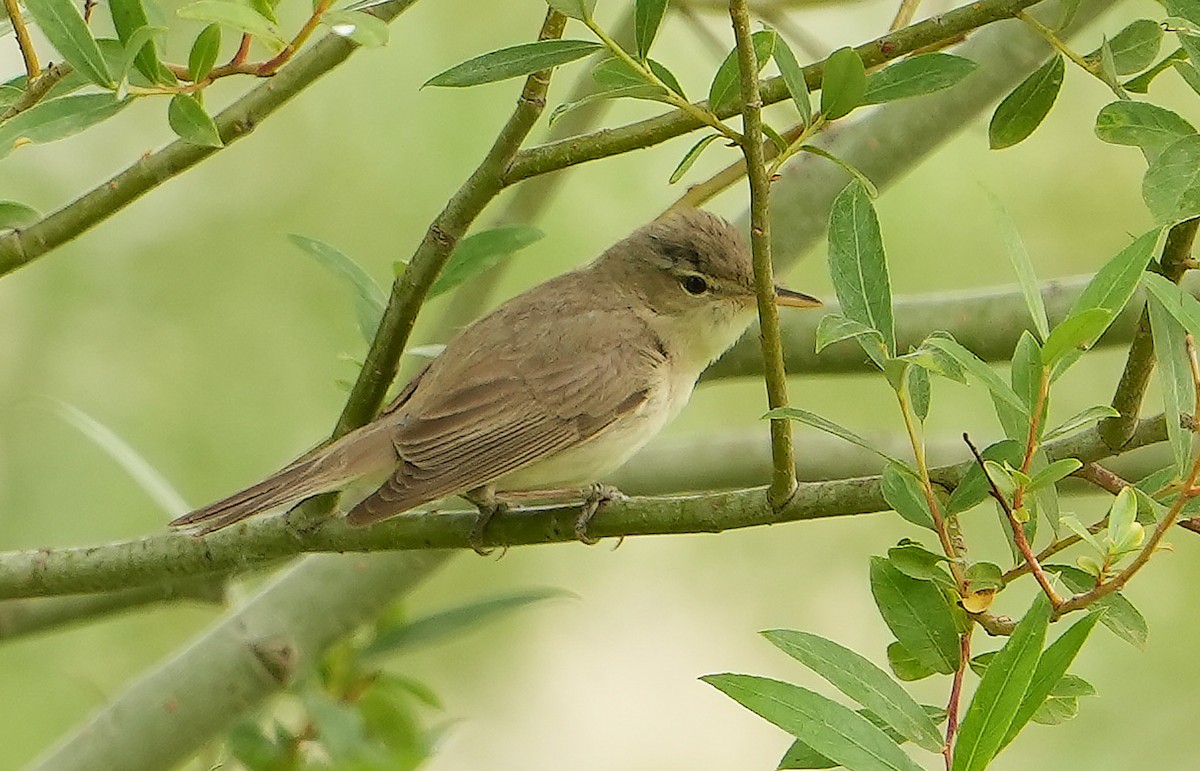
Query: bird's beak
[{"x": 795, "y": 299}]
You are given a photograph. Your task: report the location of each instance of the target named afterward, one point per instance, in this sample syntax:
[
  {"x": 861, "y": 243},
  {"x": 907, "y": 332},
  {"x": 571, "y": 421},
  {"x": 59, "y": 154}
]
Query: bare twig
[{"x": 24, "y": 42}]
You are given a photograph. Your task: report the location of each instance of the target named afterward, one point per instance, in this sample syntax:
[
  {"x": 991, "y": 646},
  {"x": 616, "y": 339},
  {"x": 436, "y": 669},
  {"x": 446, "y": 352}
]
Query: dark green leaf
[
  {"x": 236, "y": 16},
  {"x": 1026, "y": 376},
  {"x": 1142, "y": 125},
  {"x": 480, "y": 251},
  {"x": 917, "y": 383},
  {"x": 616, "y": 74},
  {"x": 1023, "y": 266},
  {"x": 982, "y": 576},
  {"x": 980, "y": 370},
  {"x": 903, "y": 493},
  {"x": 1141, "y": 84},
  {"x": 1171, "y": 186},
  {"x": 916, "y": 76},
  {"x": 858, "y": 265},
  {"x": 363, "y": 28},
  {"x": 15, "y": 215},
  {"x": 974, "y": 488},
  {"x": 647, "y": 16},
  {"x": 836, "y": 732},
  {"x": 1189, "y": 73},
  {"x": 1050, "y": 669},
  {"x": 915, "y": 561},
  {"x": 369, "y": 299},
  {"x": 1077, "y": 332},
  {"x": 63, "y": 25},
  {"x": 1174, "y": 373},
  {"x": 1133, "y": 48},
  {"x": 793, "y": 78},
  {"x": 725, "y": 86},
  {"x": 690, "y": 158},
  {"x": 204, "y": 52},
  {"x": 843, "y": 84},
  {"x": 862, "y": 681},
  {"x": 58, "y": 119},
  {"x": 189, "y": 120},
  {"x": 918, "y": 614},
  {"x": 905, "y": 665},
  {"x": 128, "y": 17},
  {"x": 828, "y": 426},
  {"x": 1063, "y": 702},
  {"x": 455, "y": 621},
  {"x": 576, "y": 9},
  {"x": 1022, "y": 111},
  {"x": 1115, "y": 611},
  {"x": 513, "y": 62},
  {"x": 1003, "y": 686}
]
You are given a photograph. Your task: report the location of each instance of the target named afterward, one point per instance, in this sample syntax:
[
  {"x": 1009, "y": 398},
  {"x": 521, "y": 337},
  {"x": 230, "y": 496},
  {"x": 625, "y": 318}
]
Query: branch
[
  {"x": 783, "y": 478},
  {"x": 20, "y": 247},
  {"x": 254, "y": 542},
  {"x": 24, "y": 42}
]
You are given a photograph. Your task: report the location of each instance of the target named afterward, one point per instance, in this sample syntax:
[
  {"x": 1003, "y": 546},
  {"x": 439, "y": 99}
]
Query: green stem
[{"x": 783, "y": 480}]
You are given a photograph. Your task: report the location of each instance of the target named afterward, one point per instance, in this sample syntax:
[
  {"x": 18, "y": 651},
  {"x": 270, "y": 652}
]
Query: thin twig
[
  {"x": 24, "y": 42},
  {"x": 783, "y": 480},
  {"x": 1101, "y": 477},
  {"x": 904, "y": 14},
  {"x": 956, "y": 696},
  {"x": 935, "y": 510}
]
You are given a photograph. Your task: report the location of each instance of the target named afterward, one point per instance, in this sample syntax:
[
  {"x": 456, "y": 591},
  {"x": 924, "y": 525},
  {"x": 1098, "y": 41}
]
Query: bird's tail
[{"x": 326, "y": 468}]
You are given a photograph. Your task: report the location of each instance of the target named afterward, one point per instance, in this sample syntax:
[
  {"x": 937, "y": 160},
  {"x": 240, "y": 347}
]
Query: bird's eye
[{"x": 694, "y": 285}]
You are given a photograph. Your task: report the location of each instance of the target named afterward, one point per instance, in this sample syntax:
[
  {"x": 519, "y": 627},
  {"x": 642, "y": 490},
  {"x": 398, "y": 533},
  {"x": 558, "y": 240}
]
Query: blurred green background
[{"x": 190, "y": 326}]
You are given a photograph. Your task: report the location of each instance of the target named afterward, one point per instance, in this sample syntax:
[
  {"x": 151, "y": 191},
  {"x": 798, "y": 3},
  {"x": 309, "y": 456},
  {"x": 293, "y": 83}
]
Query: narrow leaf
[
  {"x": 1058, "y": 470},
  {"x": 1019, "y": 256},
  {"x": 689, "y": 159},
  {"x": 843, "y": 84},
  {"x": 239, "y": 17},
  {"x": 369, "y": 298},
  {"x": 862, "y": 681},
  {"x": 513, "y": 62},
  {"x": 204, "y": 52},
  {"x": 647, "y": 16},
  {"x": 918, "y": 614},
  {"x": 858, "y": 265},
  {"x": 189, "y": 120},
  {"x": 793, "y": 78},
  {"x": 725, "y": 86},
  {"x": 917, "y": 76},
  {"x": 837, "y": 732},
  {"x": 903, "y": 493},
  {"x": 1023, "y": 110},
  {"x": 834, "y": 328},
  {"x": 480, "y": 251},
  {"x": 58, "y": 119},
  {"x": 1080, "y": 420},
  {"x": 129, "y": 16},
  {"x": 981, "y": 371},
  {"x": 1141, "y": 84},
  {"x": 1050, "y": 669},
  {"x": 63, "y": 25},
  {"x": 1116, "y": 612},
  {"x": 828, "y": 426},
  {"x": 1077, "y": 332},
  {"x": 1003, "y": 686},
  {"x": 1175, "y": 377}
]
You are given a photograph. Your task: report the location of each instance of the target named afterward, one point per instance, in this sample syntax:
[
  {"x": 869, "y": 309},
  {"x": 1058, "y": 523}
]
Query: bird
[{"x": 553, "y": 390}]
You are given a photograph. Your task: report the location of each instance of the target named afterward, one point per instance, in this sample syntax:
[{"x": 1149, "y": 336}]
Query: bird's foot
[
  {"x": 489, "y": 507},
  {"x": 596, "y": 496}
]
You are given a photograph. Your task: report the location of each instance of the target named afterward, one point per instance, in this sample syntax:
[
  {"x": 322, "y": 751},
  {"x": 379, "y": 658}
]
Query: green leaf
[
  {"x": 1023, "y": 110},
  {"x": 1079, "y": 420},
  {"x": 513, "y": 62},
  {"x": 903, "y": 493},
  {"x": 982, "y": 576},
  {"x": 916, "y": 76},
  {"x": 1077, "y": 332},
  {"x": 1189, "y": 73},
  {"x": 63, "y": 25},
  {"x": 1003, "y": 686},
  {"x": 1175, "y": 374},
  {"x": 128, "y": 17},
  {"x": 1059, "y": 469},
  {"x": 236, "y": 16},
  {"x": 189, "y": 120},
  {"x": 793, "y": 78},
  {"x": 905, "y": 665},
  {"x": 480, "y": 251},
  {"x": 340, "y": 727},
  {"x": 843, "y": 83},
  {"x": 1026, "y": 376},
  {"x": 858, "y": 266},
  {"x": 1019, "y": 257},
  {"x": 726, "y": 84},
  {"x": 363, "y": 28},
  {"x": 15, "y": 215},
  {"x": 836, "y": 732},
  {"x": 647, "y": 16},
  {"x": 862, "y": 681},
  {"x": 1063, "y": 702},
  {"x": 974, "y": 488},
  {"x": 980, "y": 370},
  {"x": 204, "y": 52},
  {"x": 369, "y": 299},
  {"x": 1171, "y": 186},
  {"x": 834, "y": 328},
  {"x": 689, "y": 159},
  {"x": 829, "y": 427},
  {"x": 1116, "y": 612},
  {"x": 455, "y": 621},
  {"x": 58, "y": 119},
  {"x": 918, "y": 614},
  {"x": 1141, "y": 84},
  {"x": 915, "y": 561},
  {"x": 1050, "y": 669},
  {"x": 935, "y": 360},
  {"x": 1133, "y": 48},
  {"x": 617, "y": 75},
  {"x": 575, "y": 9},
  {"x": 917, "y": 383},
  {"x": 250, "y": 746},
  {"x": 1105, "y": 69}
]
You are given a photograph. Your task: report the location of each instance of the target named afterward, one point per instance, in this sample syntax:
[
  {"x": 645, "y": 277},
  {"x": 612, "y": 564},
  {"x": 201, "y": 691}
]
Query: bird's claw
[{"x": 597, "y": 495}]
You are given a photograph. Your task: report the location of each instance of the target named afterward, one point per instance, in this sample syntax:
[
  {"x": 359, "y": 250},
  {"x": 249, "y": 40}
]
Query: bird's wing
[{"x": 479, "y": 414}]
